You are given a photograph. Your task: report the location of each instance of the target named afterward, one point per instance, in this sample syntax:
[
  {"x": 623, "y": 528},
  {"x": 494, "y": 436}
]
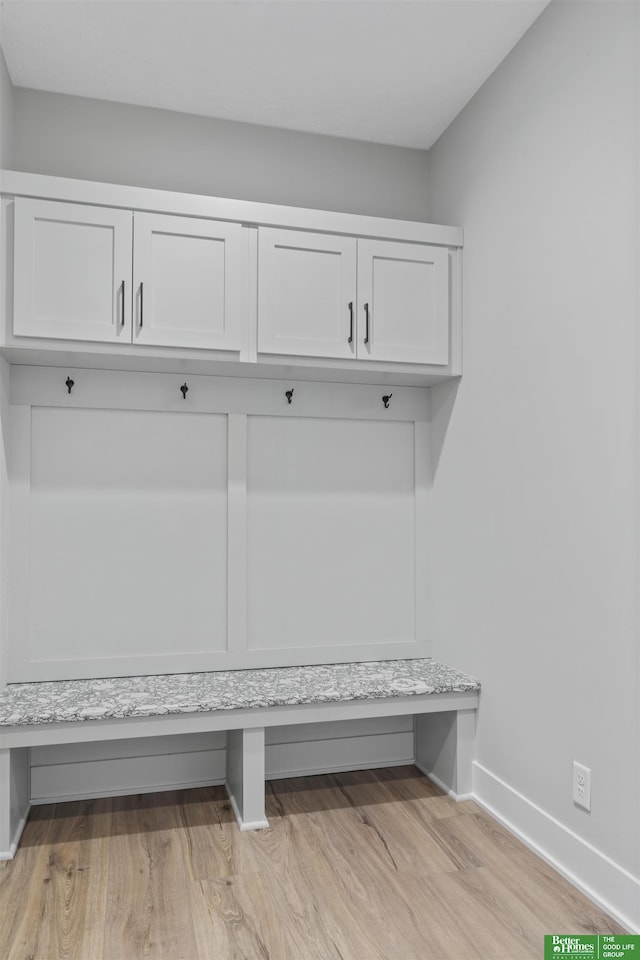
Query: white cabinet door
[
  {"x": 187, "y": 282},
  {"x": 403, "y": 302},
  {"x": 306, "y": 293},
  {"x": 72, "y": 271}
]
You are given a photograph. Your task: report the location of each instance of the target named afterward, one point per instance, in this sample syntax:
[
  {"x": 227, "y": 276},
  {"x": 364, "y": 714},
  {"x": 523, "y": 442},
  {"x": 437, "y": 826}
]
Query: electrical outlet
[{"x": 581, "y": 785}]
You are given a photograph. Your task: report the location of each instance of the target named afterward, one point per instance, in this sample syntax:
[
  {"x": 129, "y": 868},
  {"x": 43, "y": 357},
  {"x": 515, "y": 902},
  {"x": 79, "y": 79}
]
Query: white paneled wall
[
  {"x": 153, "y": 534},
  {"x": 128, "y": 533},
  {"x": 5, "y": 409},
  {"x": 331, "y": 533}
]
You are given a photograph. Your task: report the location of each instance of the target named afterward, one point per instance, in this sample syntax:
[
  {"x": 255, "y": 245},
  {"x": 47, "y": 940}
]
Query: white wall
[
  {"x": 6, "y": 113},
  {"x": 4, "y": 514},
  {"x": 536, "y": 487},
  {"x": 6, "y": 160},
  {"x": 97, "y": 140}
]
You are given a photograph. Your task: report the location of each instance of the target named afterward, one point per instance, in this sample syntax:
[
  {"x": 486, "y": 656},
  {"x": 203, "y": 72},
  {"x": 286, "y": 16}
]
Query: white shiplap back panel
[
  {"x": 156, "y": 534},
  {"x": 331, "y": 534},
  {"x": 77, "y": 770},
  {"x": 128, "y": 536},
  {"x": 62, "y": 753},
  {"x": 111, "y": 778},
  {"x": 327, "y": 756}
]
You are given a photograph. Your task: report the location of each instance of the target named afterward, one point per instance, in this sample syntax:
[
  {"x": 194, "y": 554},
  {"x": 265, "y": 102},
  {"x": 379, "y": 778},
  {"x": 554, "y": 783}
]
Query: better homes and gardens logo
[
  {"x": 571, "y": 946},
  {"x": 622, "y": 946}
]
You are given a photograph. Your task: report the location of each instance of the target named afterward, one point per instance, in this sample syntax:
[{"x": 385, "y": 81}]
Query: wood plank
[
  {"x": 226, "y": 923},
  {"x": 295, "y": 890},
  {"x": 563, "y": 906},
  {"x": 214, "y": 843},
  {"x": 59, "y": 894},
  {"x": 387, "y": 783},
  {"x": 368, "y": 860},
  {"x": 148, "y": 912},
  {"x": 23, "y": 897},
  {"x": 458, "y": 924}
]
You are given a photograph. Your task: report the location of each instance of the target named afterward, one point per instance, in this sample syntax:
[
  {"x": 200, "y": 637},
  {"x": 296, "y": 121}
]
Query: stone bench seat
[{"x": 244, "y": 703}]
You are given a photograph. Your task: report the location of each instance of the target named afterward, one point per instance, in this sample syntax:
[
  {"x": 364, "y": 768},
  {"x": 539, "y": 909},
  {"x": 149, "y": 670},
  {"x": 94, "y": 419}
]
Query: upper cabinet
[
  {"x": 72, "y": 271},
  {"x": 88, "y": 273},
  {"x": 126, "y": 276},
  {"x": 339, "y": 297}
]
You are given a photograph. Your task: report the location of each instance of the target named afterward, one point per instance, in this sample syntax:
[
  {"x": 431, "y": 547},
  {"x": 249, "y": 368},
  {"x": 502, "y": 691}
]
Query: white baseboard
[
  {"x": 249, "y": 825},
  {"x": 613, "y": 888},
  {"x": 442, "y": 785},
  {"x": 11, "y": 852}
]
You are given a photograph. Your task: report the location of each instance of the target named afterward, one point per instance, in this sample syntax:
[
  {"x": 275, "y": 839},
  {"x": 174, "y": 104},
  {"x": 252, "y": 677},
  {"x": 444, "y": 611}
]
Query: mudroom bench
[{"x": 244, "y": 703}]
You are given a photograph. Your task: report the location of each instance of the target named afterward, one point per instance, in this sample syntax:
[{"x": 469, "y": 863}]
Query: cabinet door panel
[
  {"x": 306, "y": 282},
  {"x": 406, "y": 289},
  {"x": 331, "y": 534},
  {"x": 72, "y": 271},
  {"x": 187, "y": 282}
]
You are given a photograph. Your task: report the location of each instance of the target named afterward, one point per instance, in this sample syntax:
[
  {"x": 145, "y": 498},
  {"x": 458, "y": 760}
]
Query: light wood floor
[{"x": 360, "y": 866}]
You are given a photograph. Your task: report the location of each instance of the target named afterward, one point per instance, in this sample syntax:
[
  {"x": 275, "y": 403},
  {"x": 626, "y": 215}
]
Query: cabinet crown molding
[{"x": 38, "y": 186}]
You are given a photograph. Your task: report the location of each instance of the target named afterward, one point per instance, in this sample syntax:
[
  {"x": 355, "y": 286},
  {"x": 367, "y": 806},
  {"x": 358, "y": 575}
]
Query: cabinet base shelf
[{"x": 202, "y": 363}]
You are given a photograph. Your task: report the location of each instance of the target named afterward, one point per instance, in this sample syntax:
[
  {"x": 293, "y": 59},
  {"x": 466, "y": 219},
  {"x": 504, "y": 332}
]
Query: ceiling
[{"x": 389, "y": 71}]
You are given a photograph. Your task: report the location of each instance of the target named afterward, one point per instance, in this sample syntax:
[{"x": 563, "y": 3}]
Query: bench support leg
[
  {"x": 245, "y": 777},
  {"x": 15, "y": 770},
  {"x": 445, "y": 749}
]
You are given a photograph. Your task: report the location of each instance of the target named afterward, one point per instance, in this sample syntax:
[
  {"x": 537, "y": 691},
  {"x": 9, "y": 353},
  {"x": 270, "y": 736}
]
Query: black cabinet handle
[
  {"x": 350, "y": 340},
  {"x": 366, "y": 325},
  {"x": 141, "y": 302},
  {"x": 122, "y": 315}
]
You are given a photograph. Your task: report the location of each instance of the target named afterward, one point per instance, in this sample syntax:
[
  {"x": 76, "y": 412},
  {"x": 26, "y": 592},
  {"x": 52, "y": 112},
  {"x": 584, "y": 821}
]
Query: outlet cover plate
[{"x": 581, "y": 785}]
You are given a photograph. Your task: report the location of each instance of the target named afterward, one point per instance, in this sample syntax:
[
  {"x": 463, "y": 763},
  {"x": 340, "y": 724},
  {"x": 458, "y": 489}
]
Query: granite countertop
[{"x": 64, "y": 700}]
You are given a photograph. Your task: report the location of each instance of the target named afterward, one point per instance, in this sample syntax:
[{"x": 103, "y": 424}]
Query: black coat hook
[
  {"x": 386, "y": 399},
  {"x": 184, "y": 388},
  {"x": 289, "y": 395},
  {"x": 69, "y": 384}
]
